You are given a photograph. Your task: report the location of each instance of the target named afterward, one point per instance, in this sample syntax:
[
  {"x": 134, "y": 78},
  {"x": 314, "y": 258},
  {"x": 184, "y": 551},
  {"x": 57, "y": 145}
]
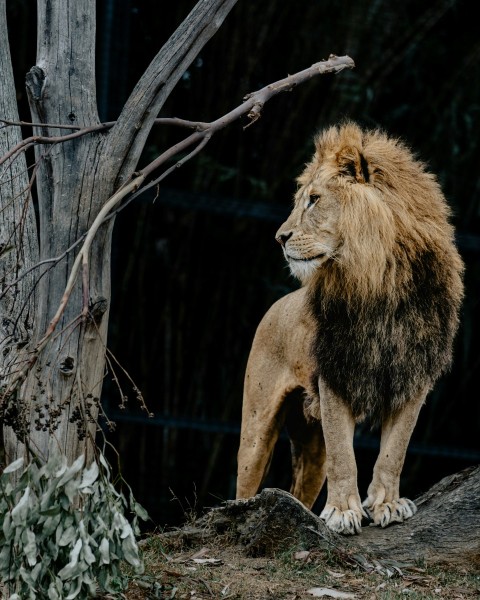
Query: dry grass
[{"x": 222, "y": 570}]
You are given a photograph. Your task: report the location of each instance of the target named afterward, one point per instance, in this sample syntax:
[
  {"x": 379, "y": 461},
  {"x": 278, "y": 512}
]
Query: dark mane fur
[{"x": 378, "y": 354}]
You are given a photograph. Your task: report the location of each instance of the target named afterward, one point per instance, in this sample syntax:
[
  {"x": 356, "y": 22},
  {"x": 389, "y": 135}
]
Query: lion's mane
[{"x": 386, "y": 308}]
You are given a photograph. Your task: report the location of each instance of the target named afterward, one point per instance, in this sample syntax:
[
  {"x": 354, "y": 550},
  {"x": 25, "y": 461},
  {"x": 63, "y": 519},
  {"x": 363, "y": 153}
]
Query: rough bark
[
  {"x": 73, "y": 181},
  {"x": 445, "y": 530},
  {"x": 18, "y": 234}
]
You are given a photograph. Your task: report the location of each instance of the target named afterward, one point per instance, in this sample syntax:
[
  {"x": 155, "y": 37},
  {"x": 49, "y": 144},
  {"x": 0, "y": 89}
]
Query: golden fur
[{"x": 366, "y": 336}]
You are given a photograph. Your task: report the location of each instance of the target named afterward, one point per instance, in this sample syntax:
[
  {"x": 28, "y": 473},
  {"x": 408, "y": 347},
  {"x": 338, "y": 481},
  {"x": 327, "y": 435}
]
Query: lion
[{"x": 367, "y": 334}]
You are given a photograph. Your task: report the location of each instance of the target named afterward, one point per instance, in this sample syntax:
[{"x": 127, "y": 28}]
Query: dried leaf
[
  {"x": 207, "y": 561},
  {"x": 321, "y": 592},
  {"x": 335, "y": 574},
  {"x": 301, "y": 555},
  {"x": 201, "y": 553}
]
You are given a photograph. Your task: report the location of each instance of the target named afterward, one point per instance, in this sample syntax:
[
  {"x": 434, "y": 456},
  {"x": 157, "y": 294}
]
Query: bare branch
[
  {"x": 41, "y": 139},
  {"x": 8, "y": 123},
  {"x": 79, "y": 132},
  {"x": 128, "y": 136},
  {"x": 100, "y": 127},
  {"x": 252, "y": 106}
]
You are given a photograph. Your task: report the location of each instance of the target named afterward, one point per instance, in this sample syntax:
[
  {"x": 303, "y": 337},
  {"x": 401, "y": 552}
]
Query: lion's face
[
  {"x": 310, "y": 235},
  {"x": 364, "y": 211}
]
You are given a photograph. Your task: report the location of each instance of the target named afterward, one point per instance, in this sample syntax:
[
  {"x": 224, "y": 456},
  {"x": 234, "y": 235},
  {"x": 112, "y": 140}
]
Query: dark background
[{"x": 195, "y": 269}]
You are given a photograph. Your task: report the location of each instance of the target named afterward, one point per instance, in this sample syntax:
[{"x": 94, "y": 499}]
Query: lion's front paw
[
  {"x": 384, "y": 513},
  {"x": 347, "y": 522}
]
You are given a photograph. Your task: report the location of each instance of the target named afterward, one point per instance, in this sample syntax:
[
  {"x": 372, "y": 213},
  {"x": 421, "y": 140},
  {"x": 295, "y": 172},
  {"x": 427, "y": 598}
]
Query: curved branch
[
  {"x": 41, "y": 139},
  {"x": 251, "y": 106},
  {"x": 128, "y": 136}
]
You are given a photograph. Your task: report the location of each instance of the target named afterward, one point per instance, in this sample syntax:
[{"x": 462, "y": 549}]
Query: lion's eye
[{"x": 312, "y": 199}]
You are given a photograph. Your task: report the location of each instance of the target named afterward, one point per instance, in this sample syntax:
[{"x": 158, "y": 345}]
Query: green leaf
[
  {"x": 57, "y": 462},
  {"x": 131, "y": 553},
  {"x": 138, "y": 509},
  {"x": 88, "y": 555},
  {"x": 67, "y": 536},
  {"x": 75, "y": 588},
  {"x": 105, "y": 464},
  {"x": 71, "y": 490},
  {"x": 5, "y": 553},
  {"x": 36, "y": 571},
  {"x": 7, "y": 527},
  {"x": 71, "y": 471},
  {"x": 89, "y": 476},
  {"x": 26, "y": 575},
  {"x": 121, "y": 523},
  {"x": 51, "y": 512},
  {"x": 53, "y": 592},
  {"x": 71, "y": 569},
  {"x": 46, "y": 498},
  {"x": 30, "y": 547},
  {"x": 51, "y": 549},
  {"x": 104, "y": 550},
  {"x": 51, "y": 524},
  {"x": 35, "y": 475},
  {"x": 13, "y": 466},
  {"x": 20, "y": 511}
]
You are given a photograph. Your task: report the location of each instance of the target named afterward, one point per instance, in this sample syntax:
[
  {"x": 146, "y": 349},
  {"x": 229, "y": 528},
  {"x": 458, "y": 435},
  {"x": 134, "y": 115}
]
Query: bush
[{"x": 63, "y": 530}]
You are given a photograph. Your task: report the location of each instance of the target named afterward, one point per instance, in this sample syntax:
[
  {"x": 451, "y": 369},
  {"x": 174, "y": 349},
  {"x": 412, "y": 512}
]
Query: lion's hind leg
[
  {"x": 383, "y": 503},
  {"x": 308, "y": 451}
]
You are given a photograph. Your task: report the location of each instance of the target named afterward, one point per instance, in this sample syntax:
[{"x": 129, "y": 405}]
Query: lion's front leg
[
  {"x": 343, "y": 510},
  {"x": 383, "y": 503}
]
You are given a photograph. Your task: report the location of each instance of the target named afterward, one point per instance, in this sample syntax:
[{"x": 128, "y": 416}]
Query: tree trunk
[
  {"x": 18, "y": 239},
  {"x": 74, "y": 180},
  {"x": 61, "y": 89},
  {"x": 445, "y": 530}
]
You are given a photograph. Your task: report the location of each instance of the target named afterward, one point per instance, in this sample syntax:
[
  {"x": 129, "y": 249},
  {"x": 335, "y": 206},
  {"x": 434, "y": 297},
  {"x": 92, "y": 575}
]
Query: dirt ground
[{"x": 221, "y": 569}]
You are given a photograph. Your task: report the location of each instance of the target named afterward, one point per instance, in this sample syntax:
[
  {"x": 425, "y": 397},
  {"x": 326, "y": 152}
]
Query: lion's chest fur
[{"x": 380, "y": 354}]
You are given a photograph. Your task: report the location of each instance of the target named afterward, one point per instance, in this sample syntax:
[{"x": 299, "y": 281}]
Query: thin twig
[
  {"x": 99, "y": 126},
  {"x": 42, "y": 139}
]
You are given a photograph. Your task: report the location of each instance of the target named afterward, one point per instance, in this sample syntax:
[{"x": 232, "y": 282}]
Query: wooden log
[{"x": 445, "y": 530}]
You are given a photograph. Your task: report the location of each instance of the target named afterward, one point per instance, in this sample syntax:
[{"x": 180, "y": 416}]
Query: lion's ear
[{"x": 353, "y": 164}]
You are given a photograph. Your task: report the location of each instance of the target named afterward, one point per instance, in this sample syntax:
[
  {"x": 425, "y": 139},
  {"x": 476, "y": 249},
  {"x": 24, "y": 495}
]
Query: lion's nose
[{"x": 283, "y": 236}]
